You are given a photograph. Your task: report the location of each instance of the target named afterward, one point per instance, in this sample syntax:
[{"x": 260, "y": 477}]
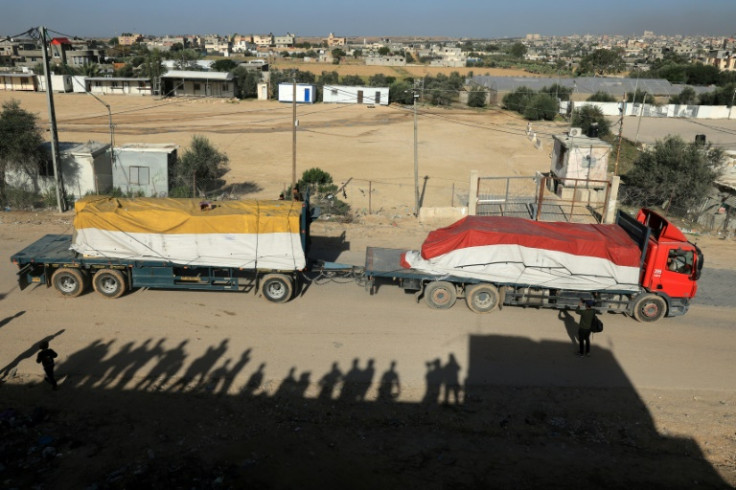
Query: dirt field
[
  {"x": 161, "y": 388},
  {"x": 372, "y": 146}
]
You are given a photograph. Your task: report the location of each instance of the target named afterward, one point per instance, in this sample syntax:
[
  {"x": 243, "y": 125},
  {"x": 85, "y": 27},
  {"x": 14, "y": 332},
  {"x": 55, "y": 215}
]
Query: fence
[{"x": 544, "y": 197}]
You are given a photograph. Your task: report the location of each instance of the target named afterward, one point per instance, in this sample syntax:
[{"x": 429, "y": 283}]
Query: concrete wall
[
  {"x": 155, "y": 164},
  {"x": 667, "y": 110},
  {"x": 340, "y": 94}
]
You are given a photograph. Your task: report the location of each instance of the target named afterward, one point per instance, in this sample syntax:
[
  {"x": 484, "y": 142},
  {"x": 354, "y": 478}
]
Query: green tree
[
  {"x": 328, "y": 78},
  {"x": 380, "y": 80},
  {"x": 400, "y": 92},
  {"x": 338, "y": 54},
  {"x": 541, "y": 106},
  {"x": 601, "y": 96},
  {"x": 558, "y": 91},
  {"x": 640, "y": 96},
  {"x": 20, "y": 143},
  {"x": 352, "y": 80},
  {"x": 408, "y": 57},
  {"x": 246, "y": 82},
  {"x": 588, "y": 115},
  {"x": 477, "y": 96},
  {"x": 686, "y": 97},
  {"x": 518, "y": 100},
  {"x": 518, "y": 50},
  {"x": 153, "y": 66},
  {"x": 224, "y": 65},
  {"x": 323, "y": 190},
  {"x": 673, "y": 172},
  {"x": 357, "y": 53},
  {"x": 200, "y": 167},
  {"x": 602, "y": 61},
  {"x": 91, "y": 70},
  {"x": 383, "y": 51}
]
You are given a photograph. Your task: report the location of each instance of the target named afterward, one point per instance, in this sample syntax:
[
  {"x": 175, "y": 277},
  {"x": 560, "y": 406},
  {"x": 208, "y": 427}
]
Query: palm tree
[{"x": 91, "y": 70}]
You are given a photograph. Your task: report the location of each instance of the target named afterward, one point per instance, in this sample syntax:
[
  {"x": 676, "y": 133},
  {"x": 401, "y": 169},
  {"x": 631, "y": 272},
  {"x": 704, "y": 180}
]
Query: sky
[{"x": 384, "y": 18}]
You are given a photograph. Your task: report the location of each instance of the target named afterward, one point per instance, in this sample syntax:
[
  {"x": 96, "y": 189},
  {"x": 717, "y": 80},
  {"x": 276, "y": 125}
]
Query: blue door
[{"x": 306, "y": 95}]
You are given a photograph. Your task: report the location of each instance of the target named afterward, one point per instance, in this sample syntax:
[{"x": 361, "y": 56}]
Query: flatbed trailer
[
  {"x": 52, "y": 262},
  {"x": 657, "y": 240}
]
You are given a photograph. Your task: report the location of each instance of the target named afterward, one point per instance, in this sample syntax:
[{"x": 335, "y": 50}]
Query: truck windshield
[{"x": 680, "y": 261}]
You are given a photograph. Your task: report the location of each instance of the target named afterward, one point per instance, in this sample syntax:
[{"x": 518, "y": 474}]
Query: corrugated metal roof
[
  {"x": 612, "y": 85},
  {"x": 118, "y": 79},
  {"x": 199, "y": 75}
]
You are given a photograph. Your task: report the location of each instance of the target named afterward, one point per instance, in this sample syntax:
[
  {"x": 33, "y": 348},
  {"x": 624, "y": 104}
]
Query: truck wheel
[
  {"x": 277, "y": 288},
  {"x": 69, "y": 282},
  {"x": 482, "y": 298},
  {"x": 109, "y": 282},
  {"x": 440, "y": 295},
  {"x": 649, "y": 308}
]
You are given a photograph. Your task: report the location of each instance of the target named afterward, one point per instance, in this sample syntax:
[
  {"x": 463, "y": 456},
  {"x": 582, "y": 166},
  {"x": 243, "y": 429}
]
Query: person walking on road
[
  {"x": 46, "y": 358},
  {"x": 586, "y": 320}
]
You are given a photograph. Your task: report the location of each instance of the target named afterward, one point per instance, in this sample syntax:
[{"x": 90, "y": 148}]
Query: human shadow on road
[
  {"x": 8, "y": 319},
  {"x": 528, "y": 413},
  {"x": 26, "y": 354}
]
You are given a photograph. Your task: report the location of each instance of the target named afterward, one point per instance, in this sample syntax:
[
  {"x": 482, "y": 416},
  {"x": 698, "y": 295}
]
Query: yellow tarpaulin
[
  {"x": 244, "y": 234},
  {"x": 186, "y": 216}
]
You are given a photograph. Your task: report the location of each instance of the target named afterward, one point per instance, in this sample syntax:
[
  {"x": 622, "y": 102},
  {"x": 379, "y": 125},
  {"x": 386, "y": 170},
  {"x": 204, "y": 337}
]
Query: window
[
  {"x": 196, "y": 86},
  {"x": 138, "y": 175},
  {"x": 680, "y": 261},
  {"x": 225, "y": 87}
]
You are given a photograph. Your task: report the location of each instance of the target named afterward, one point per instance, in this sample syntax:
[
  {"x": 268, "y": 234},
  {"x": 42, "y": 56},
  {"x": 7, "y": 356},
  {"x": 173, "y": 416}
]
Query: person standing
[
  {"x": 586, "y": 320},
  {"x": 46, "y": 358}
]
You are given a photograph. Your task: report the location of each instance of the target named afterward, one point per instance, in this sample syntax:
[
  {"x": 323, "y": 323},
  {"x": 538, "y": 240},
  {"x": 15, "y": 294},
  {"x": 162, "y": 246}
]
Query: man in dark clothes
[
  {"x": 46, "y": 357},
  {"x": 586, "y": 319}
]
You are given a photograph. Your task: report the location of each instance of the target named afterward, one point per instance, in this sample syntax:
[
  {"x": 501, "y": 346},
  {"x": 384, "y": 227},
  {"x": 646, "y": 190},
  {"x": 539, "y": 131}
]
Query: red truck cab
[{"x": 672, "y": 265}]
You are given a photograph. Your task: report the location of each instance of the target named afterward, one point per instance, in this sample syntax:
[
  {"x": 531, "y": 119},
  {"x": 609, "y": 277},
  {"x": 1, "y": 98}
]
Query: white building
[
  {"x": 179, "y": 83},
  {"x": 340, "y": 94},
  {"x": 119, "y": 85},
  {"x": 85, "y": 169},
  {"x": 144, "y": 168},
  {"x": 305, "y": 93}
]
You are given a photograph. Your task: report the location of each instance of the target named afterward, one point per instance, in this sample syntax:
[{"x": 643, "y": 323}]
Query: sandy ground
[
  {"x": 372, "y": 146},
  {"x": 225, "y": 390}
]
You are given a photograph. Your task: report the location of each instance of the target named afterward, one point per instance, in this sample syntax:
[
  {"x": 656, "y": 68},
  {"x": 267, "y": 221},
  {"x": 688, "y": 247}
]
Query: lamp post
[{"x": 416, "y": 158}]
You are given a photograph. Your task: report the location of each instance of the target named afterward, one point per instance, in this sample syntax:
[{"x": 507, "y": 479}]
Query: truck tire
[
  {"x": 649, "y": 308},
  {"x": 482, "y": 298},
  {"x": 440, "y": 295},
  {"x": 109, "y": 282},
  {"x": 277, "y": 288},
  {"x": 69, "y": 282}
]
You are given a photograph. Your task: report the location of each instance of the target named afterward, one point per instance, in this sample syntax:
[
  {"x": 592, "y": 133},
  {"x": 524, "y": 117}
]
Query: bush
[
  {"x": 541, "y": 106},
  {"x": 323, "y": 191},
  {"x": 18, "y": 198},
  {"x": 601, "y": 97},
  {"x": 587, "y": 116}
]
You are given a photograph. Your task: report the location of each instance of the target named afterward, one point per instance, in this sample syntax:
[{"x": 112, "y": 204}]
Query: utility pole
[
  {"x": 293, "y": 135},
  {"x": 731, "y": 107},
  {"x": 52, "y": 120},
  {"x": 416, "y": 156},
  {"x": 641, "y": 113},
  {"x": 620, "y": 133}
]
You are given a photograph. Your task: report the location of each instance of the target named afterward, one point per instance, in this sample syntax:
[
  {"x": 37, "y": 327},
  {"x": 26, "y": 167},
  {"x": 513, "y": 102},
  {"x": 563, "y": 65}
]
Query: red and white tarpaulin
[{"x": 506, "y": 250}]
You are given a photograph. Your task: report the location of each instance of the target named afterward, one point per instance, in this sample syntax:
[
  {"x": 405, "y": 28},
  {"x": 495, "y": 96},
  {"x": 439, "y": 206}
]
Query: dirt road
[
  {"x": 224, "y": 390},
  {"x": 671, "y": 382}
]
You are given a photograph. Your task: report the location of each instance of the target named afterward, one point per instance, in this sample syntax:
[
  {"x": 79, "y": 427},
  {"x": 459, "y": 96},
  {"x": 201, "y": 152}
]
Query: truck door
[{"x": 678, "y": 274}]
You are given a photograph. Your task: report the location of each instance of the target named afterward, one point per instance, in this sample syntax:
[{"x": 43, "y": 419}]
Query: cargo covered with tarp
[
  {"x": 517, "y": 251},
  {"x": 244, "y": 234}
]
